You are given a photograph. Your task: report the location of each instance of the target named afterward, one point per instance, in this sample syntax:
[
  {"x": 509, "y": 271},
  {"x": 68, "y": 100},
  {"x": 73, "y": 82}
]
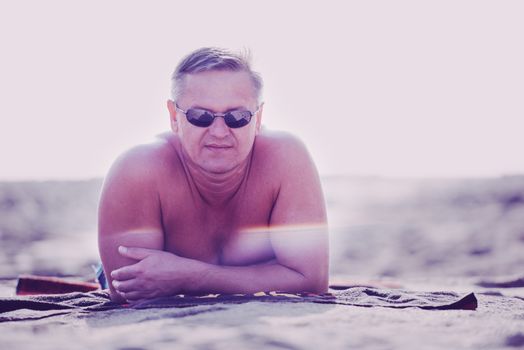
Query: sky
[{"x": 384, "y": 88}]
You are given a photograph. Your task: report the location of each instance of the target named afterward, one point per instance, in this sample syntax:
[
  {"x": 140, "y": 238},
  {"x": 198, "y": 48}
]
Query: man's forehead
[
  {"x": 218, "y": 89},
  {"x": 214, "y": 78}
]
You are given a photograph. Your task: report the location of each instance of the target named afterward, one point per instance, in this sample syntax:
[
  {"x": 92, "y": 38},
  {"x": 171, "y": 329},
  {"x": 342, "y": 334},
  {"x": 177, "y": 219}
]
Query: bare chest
[{"x": 229, "y": 234}]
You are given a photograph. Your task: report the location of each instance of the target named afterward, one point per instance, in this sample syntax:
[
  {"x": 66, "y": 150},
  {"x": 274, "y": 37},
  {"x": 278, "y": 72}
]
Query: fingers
[
  {"x": 135, "y": 296},
  {"x": 129, "y": 291},
  {"x": 125, "y": 286},
  {"x": 135, "y": 252},
  {"x": 125, "y": 273}
]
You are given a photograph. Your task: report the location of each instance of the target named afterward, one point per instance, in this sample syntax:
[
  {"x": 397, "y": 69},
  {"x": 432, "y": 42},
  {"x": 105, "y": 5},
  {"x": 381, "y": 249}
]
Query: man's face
[{"x": 216, "y": 148}]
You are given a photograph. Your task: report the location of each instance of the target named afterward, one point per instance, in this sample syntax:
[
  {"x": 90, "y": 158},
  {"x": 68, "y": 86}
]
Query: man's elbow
[
  {"x": 313, "y": 278},
  {"x": 317, "y": 284},
  {"x": 317, "y": 276},
  {"x": 315, "y": 281}
]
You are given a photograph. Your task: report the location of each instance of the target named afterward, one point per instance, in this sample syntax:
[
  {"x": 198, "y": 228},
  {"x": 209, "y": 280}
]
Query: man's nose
[{"x": 219, "y": 128}]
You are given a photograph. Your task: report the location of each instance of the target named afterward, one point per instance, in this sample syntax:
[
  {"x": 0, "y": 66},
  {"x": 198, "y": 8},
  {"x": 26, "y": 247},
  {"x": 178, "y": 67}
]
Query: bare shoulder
[
  {"x": 276, "y": 139},
  {"x": 138, "y": 173},
  {"x": 144, "y": 161},
  {"x": 283, "y": 151},
  {"x": 130, "y": 194}
]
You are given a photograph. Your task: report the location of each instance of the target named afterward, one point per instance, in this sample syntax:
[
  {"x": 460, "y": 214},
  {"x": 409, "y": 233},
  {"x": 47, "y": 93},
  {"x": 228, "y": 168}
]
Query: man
[{"x": 218, "y": 205}]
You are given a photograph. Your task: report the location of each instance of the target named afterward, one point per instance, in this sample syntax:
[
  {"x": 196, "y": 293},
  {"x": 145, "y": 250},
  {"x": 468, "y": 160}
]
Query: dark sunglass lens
[
  {"x": 199, "y": 117},
  {"x": 237, "y": 119}
]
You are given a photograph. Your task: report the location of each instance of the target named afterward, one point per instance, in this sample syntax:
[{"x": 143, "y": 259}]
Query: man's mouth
[{"x": 218, "y": 146}]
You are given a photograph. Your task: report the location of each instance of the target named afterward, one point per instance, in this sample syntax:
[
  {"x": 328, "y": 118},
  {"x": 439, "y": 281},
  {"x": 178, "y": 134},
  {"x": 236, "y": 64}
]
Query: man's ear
[
  {"x": 259, "y": 118},
  {"x": 172, "y": 115}
]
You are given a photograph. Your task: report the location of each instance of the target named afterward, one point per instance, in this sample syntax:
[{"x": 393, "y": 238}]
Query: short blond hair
[{"x": 213, "y": 58}]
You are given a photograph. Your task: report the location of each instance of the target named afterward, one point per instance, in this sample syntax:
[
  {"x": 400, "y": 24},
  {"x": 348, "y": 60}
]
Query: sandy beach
[{"x": 461, "y": 235}]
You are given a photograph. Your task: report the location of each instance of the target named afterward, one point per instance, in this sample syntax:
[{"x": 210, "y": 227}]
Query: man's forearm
[
  {"x": 210, "y": 278},
  {"x": 159, "y": 273}
]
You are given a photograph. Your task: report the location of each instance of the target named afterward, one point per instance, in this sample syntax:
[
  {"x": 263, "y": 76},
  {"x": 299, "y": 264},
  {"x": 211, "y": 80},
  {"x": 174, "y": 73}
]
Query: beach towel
[
  {"x": 516, "y": 282},
  {"x": 20, "y": 308}
]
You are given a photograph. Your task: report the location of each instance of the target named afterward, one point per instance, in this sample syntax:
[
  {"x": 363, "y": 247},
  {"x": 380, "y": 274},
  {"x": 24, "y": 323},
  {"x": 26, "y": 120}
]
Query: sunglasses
[{"x": 204, "y": 118}]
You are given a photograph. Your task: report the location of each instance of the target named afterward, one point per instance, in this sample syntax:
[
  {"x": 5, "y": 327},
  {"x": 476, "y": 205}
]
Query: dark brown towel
[
  {"x": 22, "y": 308},
  {"x": 506, "y": 283}
]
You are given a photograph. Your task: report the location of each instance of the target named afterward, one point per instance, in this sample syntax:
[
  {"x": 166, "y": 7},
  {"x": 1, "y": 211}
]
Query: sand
[
  {"x": 497, "y": 323},
  {"x": 425, "y": 235}
]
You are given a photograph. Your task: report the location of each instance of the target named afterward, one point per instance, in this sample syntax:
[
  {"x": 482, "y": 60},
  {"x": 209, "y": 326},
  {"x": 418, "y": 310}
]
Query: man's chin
[{"x": 218, "y": 167}]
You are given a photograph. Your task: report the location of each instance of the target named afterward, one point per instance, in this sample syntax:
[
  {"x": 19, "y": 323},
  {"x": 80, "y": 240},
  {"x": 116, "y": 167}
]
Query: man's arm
[
  {"x": 129, "y": 211},
  {"x": 298, "y": 235}
]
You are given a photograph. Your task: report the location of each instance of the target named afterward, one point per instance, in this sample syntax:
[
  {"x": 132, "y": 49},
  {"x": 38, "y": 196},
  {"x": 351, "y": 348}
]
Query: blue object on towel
[{"x": 100, "y": 276}]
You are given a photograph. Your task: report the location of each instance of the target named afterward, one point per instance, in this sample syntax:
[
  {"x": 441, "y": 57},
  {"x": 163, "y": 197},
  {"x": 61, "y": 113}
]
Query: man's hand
[{"x": 156, "y": 274}]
